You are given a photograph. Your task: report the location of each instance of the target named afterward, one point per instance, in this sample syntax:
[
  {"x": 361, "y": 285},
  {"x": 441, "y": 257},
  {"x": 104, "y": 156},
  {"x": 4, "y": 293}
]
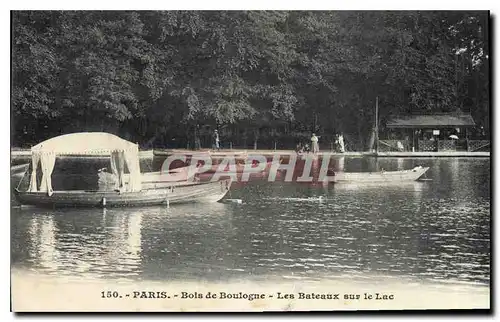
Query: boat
[
  {"x": 178, "y": 192},
  {"x": 150, "y": 180},
  {"x": 380, "y": 176},
  {"x": 19, "y": 170},
  {"x": 237, "y": 168},
  {"x": 132, "y": 189}
]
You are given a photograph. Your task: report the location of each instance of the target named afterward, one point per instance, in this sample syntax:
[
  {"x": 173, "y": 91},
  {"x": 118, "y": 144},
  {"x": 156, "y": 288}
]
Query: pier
[{"x": 21, "y": 155}]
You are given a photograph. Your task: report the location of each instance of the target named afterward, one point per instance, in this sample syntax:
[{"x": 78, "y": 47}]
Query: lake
[{"x": 436, "y": 230}]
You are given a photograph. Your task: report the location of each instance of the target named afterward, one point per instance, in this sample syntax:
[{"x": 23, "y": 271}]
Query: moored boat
[
  {"x": 239, "y": 167},
  {"x": 379, "y": 177},
  {"x": 178, "y": 192},
  {"x": 19, "y": 170},
  {"x": 150, "y": 180},
  {"x": 126, "y": 189}
]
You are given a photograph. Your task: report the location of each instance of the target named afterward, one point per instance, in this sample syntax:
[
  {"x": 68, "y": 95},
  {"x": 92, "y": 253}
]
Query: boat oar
[
  {"x": 425, "y": 178},
  {"x": 239, "y": 201}
]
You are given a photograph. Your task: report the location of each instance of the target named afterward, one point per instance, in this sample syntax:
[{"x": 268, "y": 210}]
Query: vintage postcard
[{"x": 250, "y": 161}]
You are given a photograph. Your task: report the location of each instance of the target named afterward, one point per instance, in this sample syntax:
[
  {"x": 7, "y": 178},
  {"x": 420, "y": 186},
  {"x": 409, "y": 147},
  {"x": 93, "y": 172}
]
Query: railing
[
  {"x": 475, "y": 145},
  {"x": 447, "y": 145},
  {"x": 392, "y": 145},
  {"x": 437, "y": 145},
  {"x": 453, "y": 145},
  {"x": 427, "y": 145}
]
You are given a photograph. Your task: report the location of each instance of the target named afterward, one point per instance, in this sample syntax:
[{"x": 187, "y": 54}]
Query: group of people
[
  {"x": 314, "y": 147},
  {"x": 300, "y": 148}
]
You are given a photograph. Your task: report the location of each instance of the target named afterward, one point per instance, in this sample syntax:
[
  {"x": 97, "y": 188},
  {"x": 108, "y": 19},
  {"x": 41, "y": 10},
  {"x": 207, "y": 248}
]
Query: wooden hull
[
  {"x": 238, "y": 167},
  {"x": 150, "y": 180},
  {"x": 377, "y": 177},
  {"x": 177, "y": 193}
]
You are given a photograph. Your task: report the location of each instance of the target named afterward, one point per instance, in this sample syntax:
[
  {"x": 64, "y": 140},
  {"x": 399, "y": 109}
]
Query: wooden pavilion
[{"x": 430, "y": 132}]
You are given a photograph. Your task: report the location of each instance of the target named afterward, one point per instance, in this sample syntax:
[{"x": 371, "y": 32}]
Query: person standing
[
  {"x": 341, "y": 143},
  {"x": 216, "y": 140},
  {"x": 299, "y": 149},
  {"x": 197, "y": 142},
  {"x": 314, "y": 143}
]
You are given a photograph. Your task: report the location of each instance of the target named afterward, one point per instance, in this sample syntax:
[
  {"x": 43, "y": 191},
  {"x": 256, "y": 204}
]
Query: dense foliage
[{"x": 159, "y": 77}]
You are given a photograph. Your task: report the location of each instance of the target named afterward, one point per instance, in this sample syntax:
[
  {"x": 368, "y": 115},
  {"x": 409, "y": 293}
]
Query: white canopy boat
[{"x": 132, "y": 189}]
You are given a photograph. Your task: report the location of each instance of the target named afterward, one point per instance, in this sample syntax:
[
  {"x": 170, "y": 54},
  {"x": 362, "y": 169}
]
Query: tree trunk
[
  {"x": 371, "y": 141},
  {"x": 255, "y": 138}
]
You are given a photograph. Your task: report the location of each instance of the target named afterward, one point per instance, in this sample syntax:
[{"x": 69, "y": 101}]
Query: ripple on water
[{"x": 439, "y": 231}]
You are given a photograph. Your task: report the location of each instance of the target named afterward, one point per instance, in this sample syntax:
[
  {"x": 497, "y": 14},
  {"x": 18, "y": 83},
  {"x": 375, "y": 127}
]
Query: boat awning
[
  {"x": 84, "y": 143},
  {"x": 431, "y": 121},
  {"x": 122, "y": 153}
]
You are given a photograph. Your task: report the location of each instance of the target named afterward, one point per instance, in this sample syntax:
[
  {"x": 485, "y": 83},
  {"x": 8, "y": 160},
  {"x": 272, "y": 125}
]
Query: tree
[{"x": 156, "y": 76}]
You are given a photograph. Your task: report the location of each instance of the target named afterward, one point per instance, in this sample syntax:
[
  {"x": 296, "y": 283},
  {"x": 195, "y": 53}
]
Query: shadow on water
[
  {"x": 120, "y": 243},
  {"x": 437, "y": 230}
]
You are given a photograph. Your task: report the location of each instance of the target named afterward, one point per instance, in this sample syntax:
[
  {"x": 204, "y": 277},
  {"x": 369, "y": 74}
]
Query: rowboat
[
  {"x": 379, "y": 177},
  {"x": 178, "y": 192},
  {"x": 150, "y": 180},
  {"x": 125, "y": 189},
  {"x": 18, "y": 170},
  {"x": 237, "y": 167}
]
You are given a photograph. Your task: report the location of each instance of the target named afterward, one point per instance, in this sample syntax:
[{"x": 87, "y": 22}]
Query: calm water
[{"x": 437, "y": 230}]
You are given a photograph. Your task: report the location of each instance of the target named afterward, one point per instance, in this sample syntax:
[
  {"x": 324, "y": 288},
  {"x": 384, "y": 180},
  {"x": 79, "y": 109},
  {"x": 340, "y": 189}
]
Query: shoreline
[{"x": 25, "y": 154}]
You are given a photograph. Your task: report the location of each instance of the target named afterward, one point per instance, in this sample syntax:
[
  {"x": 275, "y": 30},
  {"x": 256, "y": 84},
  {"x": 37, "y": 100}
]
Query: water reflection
[
  {"x": 134, "y": 233},
  {"x": 43, "y": 242},
  {"x": 400, "y": 164},
  {"x": 341, "y": 164},
  {"x": 123, "y": 247},
  {"x": 119, "y": 242},
  {"x": 436, "y": 229}
]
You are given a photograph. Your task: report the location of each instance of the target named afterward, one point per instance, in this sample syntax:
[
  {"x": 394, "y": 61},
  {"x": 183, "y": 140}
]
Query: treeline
[{"x": 161, "y": 77}]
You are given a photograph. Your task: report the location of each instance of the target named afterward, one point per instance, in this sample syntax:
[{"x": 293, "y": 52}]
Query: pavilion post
[{"x": 376, "y": 125}]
